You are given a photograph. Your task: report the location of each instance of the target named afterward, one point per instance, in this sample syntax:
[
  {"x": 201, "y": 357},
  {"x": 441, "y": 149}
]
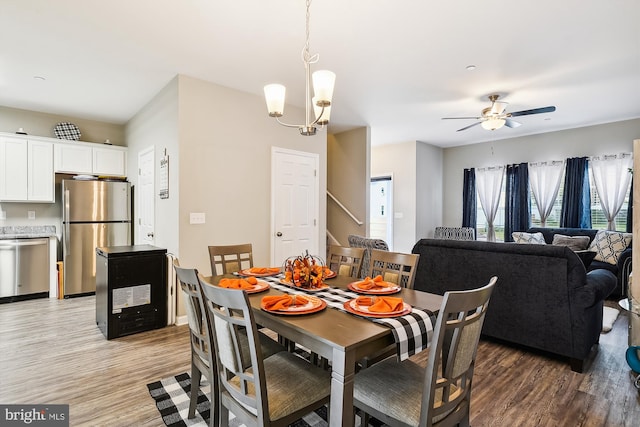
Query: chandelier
[{"x": 323, "y": 82}]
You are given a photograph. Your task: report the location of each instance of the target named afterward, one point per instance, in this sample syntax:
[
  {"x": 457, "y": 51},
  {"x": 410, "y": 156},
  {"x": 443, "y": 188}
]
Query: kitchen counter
[{"x": 27, "y": 231}]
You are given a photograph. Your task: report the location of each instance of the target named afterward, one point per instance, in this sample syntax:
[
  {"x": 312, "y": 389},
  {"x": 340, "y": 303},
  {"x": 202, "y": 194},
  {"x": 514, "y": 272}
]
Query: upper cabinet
[
  {"x": 87, "y": 158},
  {"x": 26, "y": 170}
]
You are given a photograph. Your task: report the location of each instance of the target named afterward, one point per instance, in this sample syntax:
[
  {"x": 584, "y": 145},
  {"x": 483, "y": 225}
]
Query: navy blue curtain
[
  {"x": 576, "y": 200},
  {"x": 630, "y": 210},
  {"x": 469, "y": 209},
  {"x": 517, "y": 203}
]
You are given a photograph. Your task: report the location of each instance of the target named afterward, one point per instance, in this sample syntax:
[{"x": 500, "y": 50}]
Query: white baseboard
[{"x": 181, "y": 320}]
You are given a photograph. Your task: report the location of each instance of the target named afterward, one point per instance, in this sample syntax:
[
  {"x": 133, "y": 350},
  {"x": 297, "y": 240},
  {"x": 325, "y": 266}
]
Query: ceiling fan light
[{"x": 493, "y": 123}]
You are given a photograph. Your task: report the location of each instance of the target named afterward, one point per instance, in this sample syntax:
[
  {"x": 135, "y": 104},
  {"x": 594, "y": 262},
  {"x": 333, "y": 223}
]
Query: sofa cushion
[
  {"x": 528, "y": 238},
  {"x": 586, "y": 257},
  {"x": 608, "y": 245},
  {"x": 575, "y": 243}
]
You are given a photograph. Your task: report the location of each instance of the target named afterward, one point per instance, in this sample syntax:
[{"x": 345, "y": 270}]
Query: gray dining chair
[
  {"x": 202, "y": 359},
  {"x": 394, "y": 267},
  {"x": 227, "y": 259},
  {"x": 274, "y": 391},
  {"x": 345, "y": 261},
  {"x": 393, "y": 393}
]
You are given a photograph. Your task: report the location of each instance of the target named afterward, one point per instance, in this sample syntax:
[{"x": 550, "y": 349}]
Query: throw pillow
[
  {"x": 575, "y": 243},
  {"x": 586, "y": 257},
  {"x": 528, "y": 238},
  {"x": 608, "y": 245}
]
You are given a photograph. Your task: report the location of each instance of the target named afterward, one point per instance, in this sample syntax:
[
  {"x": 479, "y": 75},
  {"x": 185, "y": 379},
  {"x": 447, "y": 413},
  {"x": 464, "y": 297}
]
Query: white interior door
[
  {"x": 146, "y": 197},
  {"x": 294, "y": 204}
]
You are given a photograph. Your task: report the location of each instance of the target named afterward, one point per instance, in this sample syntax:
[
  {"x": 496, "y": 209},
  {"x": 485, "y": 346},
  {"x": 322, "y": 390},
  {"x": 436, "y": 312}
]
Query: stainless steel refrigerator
[{"x": 95, "y": 214}]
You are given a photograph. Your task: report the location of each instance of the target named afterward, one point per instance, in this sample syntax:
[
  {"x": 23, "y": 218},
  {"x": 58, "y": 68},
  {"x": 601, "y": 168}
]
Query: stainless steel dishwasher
[{"x": 24, "y": 267}]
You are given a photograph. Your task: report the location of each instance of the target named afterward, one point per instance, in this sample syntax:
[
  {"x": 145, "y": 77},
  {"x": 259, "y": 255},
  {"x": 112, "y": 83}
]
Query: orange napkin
[
  {"x": 264, "y": 270},
  {"x": 369, "y": 283},
  {"x": 381, "y": 304},
  {"x": 282, "y": 302},
  {"x": 247, "y": 283}
]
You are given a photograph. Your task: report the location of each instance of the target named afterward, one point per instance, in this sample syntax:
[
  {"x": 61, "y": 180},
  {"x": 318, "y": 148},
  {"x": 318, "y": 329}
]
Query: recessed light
[
  {"x": 39, "y": 78},
  {"x": 471, "y": 67}
]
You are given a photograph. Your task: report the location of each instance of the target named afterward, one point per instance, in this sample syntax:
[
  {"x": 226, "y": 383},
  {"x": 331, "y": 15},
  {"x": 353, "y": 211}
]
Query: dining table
[{"x": 341, "y": 337}]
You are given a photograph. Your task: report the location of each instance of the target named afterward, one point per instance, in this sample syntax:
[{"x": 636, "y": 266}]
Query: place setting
[
  {"x": 260, "y": 271},
  {"x": 292, "y": 304},
  {"x": 250, "y": 285},
  {"x": 375, "y": 286},
  {"x": 377, "y": 306}
]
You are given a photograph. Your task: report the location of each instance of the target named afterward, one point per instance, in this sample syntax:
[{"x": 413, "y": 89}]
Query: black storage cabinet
[{"x": 131, "y": 289}]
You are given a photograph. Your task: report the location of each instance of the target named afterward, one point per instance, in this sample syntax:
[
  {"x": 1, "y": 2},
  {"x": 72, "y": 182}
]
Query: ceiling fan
[{"x": 495, "y": 117}]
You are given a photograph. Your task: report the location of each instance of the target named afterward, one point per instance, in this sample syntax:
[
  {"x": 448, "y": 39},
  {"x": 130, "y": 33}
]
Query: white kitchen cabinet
[
  {"x": 73, "y": 158},
  {"x": 109, "y": 161},
  {"x": 26, "y": 170},
  {"x": 89, "y": 158}
]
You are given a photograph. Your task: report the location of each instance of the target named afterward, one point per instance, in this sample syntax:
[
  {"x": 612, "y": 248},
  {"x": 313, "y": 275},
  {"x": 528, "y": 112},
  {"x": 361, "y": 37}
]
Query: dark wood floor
[{"x": 52, "y": 352}]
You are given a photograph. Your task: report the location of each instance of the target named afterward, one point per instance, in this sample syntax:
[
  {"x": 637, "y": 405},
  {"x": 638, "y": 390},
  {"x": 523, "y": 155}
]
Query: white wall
[
  {"x": 608, "y": 138},
  {"x": 156, "y": 125},
  {"x": 428, "y": 189},
  {"x": 399, "y": 161}
]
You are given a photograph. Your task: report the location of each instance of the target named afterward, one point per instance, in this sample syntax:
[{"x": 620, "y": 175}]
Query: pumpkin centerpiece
[{"x": 305, "y": 271}]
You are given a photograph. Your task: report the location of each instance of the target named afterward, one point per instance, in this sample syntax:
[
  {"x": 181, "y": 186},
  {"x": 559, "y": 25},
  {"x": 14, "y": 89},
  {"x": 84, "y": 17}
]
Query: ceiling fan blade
[
  {"x": 550, "y": 109},
  {"x": 465, "y": 118},
  {"x": 511, "y": 123},
  {"x": 498, "y": 107},
  {"x": 470, "y": 126}
]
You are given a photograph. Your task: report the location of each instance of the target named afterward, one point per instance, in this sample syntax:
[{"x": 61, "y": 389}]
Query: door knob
[
  {"x": 150, "y": 234},
  {"x": 279, "y": 234}
]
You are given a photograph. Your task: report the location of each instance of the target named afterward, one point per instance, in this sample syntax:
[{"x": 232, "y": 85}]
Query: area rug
[
  {"x": 609, "y": 316},
  {"x": 172, "y": 400}
]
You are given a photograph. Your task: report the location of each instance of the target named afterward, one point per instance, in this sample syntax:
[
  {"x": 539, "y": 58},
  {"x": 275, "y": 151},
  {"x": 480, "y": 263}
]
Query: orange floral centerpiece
[{"x": 304, "y": 271}]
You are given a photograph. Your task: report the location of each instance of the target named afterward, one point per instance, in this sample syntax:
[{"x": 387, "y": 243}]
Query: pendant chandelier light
[{"x": 323, "y": 82}]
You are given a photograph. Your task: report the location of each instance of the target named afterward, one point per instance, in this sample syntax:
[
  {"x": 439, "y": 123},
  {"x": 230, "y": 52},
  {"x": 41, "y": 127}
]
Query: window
[
  {"x": 598, "y": 220},
  {"x": 498, "y": 224},
  {"x": 554, "y": 217}
]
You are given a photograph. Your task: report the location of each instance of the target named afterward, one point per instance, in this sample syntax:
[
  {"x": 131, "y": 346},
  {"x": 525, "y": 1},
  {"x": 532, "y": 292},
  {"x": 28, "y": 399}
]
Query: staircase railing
[{"x": 344, "y": 208}]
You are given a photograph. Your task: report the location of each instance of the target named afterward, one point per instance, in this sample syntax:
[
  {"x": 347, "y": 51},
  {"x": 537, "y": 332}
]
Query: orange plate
[
  {"x": 259, "y": 287},
  {"x": 354, "y": 308},
  {"x": 247, "y": 272},
  {"x": 315, "y": 304},
  {"x": 321, "y": 288},
  {"x": 329, "y": 275},
  {"x": 393, "y": 289}
]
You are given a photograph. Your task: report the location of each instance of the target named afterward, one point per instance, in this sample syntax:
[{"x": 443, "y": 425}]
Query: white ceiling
[{"x": 400, "y": 64}]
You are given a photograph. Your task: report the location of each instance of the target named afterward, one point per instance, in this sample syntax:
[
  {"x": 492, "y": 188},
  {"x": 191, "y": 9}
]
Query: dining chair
[
  {"x": 345, "y": 261},
  {"x": 229, "y": 259},
  {"x": 393, "y": 393},
  {"x": 202, "y": 359},
  {"x": 396, "y": 267},
  {"x": 274, "y": 391}
]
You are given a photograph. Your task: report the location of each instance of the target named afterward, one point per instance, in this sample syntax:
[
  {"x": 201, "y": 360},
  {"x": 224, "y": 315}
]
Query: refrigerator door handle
[{"x": 66, "y": 221}]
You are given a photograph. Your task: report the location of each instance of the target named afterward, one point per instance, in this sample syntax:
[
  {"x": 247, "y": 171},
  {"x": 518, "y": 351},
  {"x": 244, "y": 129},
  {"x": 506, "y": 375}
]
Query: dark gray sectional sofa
[
  {"x": 544, "y": 297},
  {"x": 621, "y": 269}
]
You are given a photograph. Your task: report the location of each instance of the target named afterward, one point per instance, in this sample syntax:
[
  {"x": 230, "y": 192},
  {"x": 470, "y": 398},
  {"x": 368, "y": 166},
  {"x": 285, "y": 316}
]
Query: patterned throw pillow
[
  {"x": 528, "y": 238},
  {"x": 575, "y": 243},
  {"x": 608, "y": 245}
]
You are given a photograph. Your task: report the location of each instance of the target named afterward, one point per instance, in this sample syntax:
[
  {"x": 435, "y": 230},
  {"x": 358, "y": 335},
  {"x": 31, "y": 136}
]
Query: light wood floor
[{"x": 52, "y": 352}]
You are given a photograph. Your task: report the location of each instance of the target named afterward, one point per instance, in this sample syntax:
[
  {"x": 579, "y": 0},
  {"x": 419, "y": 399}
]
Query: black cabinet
[{"x": 131, "y": 289}]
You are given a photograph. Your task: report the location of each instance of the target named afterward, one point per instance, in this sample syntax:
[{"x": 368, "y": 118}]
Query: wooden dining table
[{"x": 338, "y": 336}]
